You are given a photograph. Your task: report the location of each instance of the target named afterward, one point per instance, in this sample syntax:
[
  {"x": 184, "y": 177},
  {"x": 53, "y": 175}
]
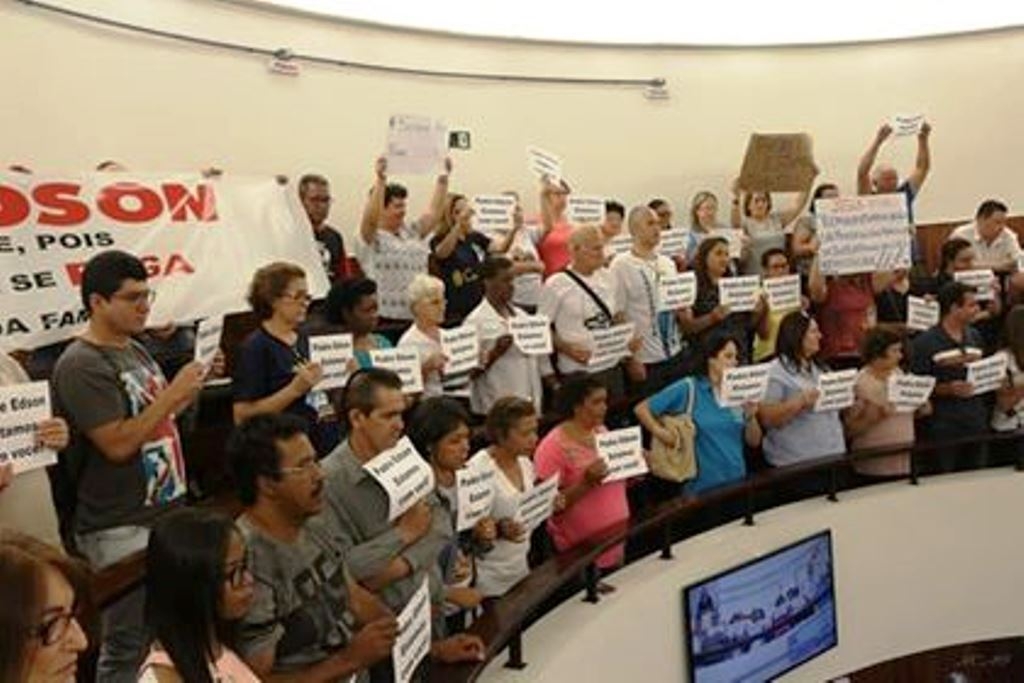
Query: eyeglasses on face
[
  {"x": 55, "y": 626},
  {"x": 236, "y": 573}
]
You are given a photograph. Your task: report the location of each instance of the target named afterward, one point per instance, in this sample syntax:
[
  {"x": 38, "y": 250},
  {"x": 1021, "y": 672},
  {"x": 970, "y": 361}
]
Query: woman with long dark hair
[{"x": 198, "y": 586}]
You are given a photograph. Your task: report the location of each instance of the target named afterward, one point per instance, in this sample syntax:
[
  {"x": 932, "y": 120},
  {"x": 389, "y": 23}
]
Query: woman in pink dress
[{"x": 570, "y": 451}]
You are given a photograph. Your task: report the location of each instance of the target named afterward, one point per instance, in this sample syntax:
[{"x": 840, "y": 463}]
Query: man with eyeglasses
[
  {"x": 315, "y": 195},
  {"x": 125, "y": 462},
  {"x": 309, "y": 619}
]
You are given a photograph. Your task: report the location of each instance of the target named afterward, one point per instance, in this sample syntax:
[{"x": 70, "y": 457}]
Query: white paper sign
[
  {"x": 404, "y": 475},
  {"x": 835, "y": 390},
  {"x": 734, "y": 238},
  {"x": 493, "y": 213},
  {"x": 531, "y": 334},
  {"x": 980, "y": 279},
  {"x": 474, "y": 485},
  {"x": 783, "y": 292},
  {"x": 620, "y": 244},
  {"x": 543, "y": 163},
  {"x": 610, "y": 344},
  {"x": 405, "y": 362},
  {"x": 333, "y": 352},
  {"x": 22, "y": 407},
  {"x": 677, "y": 290},
  {"x": 903, "y": 125},
  {"x": 987, "y": 374},
  {"x": 745, "y": 384},
  {"x": 208, "y": 340},
  {"x": 537, "y": 504},
  {"x": 623, "y": 450},
  {"x": 921, "y": 313},
  {"x": 461, "y": 346},
  {"x": 674, "y": 242},
  {"x": 417, "y": 145},
  {"x": 413, "y": 641},
  {"x": 863, "y": 234},
  {"x": 910, "y": 392},
  {"x": 739, "y": 293},
  {"x": 585, "y": 209}
]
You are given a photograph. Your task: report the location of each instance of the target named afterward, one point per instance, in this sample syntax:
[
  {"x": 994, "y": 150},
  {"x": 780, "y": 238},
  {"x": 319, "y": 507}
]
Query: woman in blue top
[
  {"x": 720, "y": 432},
  {"x": 352, "y": 306},
  {"x": 795, "y": 430}
]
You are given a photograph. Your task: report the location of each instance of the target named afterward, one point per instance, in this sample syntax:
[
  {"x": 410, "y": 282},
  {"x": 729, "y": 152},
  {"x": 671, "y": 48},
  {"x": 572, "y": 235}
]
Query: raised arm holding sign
[
  {"x": 416, "y": 145},
  {"x": 863, "y": 234}
]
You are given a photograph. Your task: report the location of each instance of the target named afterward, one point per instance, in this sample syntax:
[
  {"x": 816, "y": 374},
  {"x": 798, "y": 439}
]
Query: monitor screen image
[{"x": 761, "y": 619}]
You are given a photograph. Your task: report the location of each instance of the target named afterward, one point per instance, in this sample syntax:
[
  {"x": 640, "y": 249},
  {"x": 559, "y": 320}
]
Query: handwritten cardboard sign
[{"x": 778, "y": 163}]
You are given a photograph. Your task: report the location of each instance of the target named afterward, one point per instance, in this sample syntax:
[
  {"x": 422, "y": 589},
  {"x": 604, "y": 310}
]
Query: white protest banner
[
  {"x": 921, "y": 313},
  {"x": 333, "y": 352},
  {"x": 623, "y": 450},
  {"x": 982, "y": 280},
  {"x": 531, "y": 334},
  {"x": 987, "y": 374},
  {"x": 677, "y": 290},
  {"x": 903, "y": 125},
  {"x": 405, "y": 362},
  {"x": 414, "y": 632},
  {"x": 404, "y": 474},
  {"x": 739, "y": 293},
  {"x": 199, "y": 239},
  {"x": 22, "y": 407},
  {"x": 909, "y": 392},
  {"x": 416, "y": 145},
  {"x": 835, "y": 390},
  {"x": 543, "y": 163},
  {"x": 745, "y": 384},
  {"x": 610, "y": 344},
  {"x": 783, "y": 292},
  {"x": 208, "y": 340},
  {"x": 493, "y": 213},
  {"x": 537, "y": 504},
  {"x": 734, "y": 238},
  {"x": 461, "y": 347},
  {"x": 863, "y": 234},
  {"x": 674, "y": 242},
  {"x": 620, "y": 244},
  {"x": 474, "y": 486},
  {"x": 585, "y": 209}
]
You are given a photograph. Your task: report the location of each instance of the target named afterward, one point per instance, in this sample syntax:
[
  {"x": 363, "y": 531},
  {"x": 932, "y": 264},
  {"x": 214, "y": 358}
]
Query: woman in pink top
[
  {"x": 570, "y": 451},
  {"x": 874, "y": 421},
  {"x": 553, "y": 245},
  {"x": 198, "y": 585}
]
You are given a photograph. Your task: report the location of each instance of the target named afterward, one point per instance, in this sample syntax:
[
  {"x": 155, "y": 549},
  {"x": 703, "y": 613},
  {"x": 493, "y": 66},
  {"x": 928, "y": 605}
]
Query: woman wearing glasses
[
  {"x": 43, "y": 590},
  {"x": 273, "y": 372},
  {"x": 198, "y": 586}
]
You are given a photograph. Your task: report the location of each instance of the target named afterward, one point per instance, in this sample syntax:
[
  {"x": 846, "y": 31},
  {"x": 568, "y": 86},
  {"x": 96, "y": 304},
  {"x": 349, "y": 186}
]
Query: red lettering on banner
[
  {"x": 14, "y": 207},
  {"x": 180, "y": 202},
  {"x": 110, "y": 202},
  {"x": 62, "y": 200},
  {"x": 156, "y": 267}
]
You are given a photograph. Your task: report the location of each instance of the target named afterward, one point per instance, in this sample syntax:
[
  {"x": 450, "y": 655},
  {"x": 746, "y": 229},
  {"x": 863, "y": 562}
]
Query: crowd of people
[{"x": 306, "y": 583}]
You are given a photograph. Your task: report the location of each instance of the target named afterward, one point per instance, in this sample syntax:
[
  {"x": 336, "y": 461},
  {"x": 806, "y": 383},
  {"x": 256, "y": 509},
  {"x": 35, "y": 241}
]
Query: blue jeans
[{"x": 125, "y": 641}]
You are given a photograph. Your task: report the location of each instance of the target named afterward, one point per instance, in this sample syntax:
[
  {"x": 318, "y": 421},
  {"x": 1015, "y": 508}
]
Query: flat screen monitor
[{"x": 763, "y": 618}]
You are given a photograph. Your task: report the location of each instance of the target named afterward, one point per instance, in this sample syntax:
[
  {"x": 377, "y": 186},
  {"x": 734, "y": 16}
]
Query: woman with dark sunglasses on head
[
  {"x": 198, "y": 586},
  {"x": 40, "y": 634}
]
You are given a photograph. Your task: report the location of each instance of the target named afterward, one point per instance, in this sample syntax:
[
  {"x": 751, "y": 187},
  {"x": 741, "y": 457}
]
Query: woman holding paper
[
  {"x": 352, "y": 306},
  {"x": 764, "y": 228},
  {"x": 26, "y": 500},
  {"x": 795, "y": 431},
  {"x": 708, "y": 314},
  {"x": 846, "y": 309},
  {"x": 426, "y": 299},
  {"x": 570, "y": 451},
  {"x": 704, "y": 224},
  {"x": 874, "y": 420},
  {"x": 721, "y": 431}
]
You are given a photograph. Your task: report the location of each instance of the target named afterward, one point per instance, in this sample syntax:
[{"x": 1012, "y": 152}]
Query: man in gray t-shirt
[{"x": 308, "y": 619}]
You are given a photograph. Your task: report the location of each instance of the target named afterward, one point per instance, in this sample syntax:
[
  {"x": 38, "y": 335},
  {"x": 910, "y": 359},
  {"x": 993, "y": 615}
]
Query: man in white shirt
[
  {"x": 995, "y": 244},
  {"x": 391, "y": 251},
  {"x": 505, "y": 370},
  {"x": 637, "y": 275},
  {"x": 580, "y": 300}
]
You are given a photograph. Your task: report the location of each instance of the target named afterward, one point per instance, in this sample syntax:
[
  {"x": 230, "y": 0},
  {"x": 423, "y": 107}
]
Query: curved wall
[
  {"x": 915, "y": 568},
  {"x": 76, "y": 94}
]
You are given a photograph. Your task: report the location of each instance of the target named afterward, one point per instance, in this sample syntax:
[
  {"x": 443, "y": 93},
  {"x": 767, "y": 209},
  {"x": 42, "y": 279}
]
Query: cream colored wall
[{"x": 75, "y": 94}]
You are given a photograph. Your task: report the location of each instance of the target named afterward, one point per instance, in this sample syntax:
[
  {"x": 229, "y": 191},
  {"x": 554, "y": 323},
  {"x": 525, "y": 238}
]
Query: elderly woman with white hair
[{"x": 426, "y": 300}]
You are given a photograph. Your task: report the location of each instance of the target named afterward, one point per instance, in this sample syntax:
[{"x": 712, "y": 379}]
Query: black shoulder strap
[{"x": 593, "y": 295}]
